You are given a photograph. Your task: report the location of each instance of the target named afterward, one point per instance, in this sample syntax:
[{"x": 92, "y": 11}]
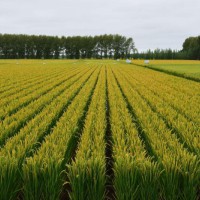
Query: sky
[{"x": 151, "y": 23}]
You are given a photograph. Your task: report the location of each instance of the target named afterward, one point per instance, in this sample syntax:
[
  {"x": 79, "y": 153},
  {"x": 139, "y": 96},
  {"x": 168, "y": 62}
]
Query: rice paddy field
[
  {"x": 185, "y": 68},
  {"x": 98, "y": 129}
]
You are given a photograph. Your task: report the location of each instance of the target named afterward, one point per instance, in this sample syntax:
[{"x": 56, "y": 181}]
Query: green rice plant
[
  {"x": 174, "y": 159},
  {"x": 23, "y": 144},
  {"x": 135, "y": 175},
  {"x": 15, "y": 79},
  {"x": 10, "y": 178},
  {"x": 13, "y": 103},
  {"x": 55, "y": 152},
  {"x": 127, "y": 184},
  {"x": 183, "y": 99},
  {"x": 87, "y": 179},
  {"x": 46, "y": 112},
  {"x": 13, "y": 123},
  {"x": 186, "y": 130},
  {"x": 150, "y": 175},
  {"x": 87, "y": 174},
  {"x": 25, "y": 93}
]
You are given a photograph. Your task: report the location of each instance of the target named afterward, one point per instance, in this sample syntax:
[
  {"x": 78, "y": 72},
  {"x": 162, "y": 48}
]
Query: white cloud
[{"x": 152, "y": 24}]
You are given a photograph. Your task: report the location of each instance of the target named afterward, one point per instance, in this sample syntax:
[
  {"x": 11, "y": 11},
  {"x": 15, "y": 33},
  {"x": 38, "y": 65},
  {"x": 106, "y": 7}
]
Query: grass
[{"x": 188, "y": 69}]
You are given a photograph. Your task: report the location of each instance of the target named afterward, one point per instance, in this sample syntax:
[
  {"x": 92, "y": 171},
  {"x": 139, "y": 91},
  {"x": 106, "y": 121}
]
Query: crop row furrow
[
  {"x": 11, "y": 125},
  {"x": 167, "y": 82},
  {"x": 191, "y": 88},
  {"x": 110, "y": 190},
  {"x": 16, "y": 104},
  {"x": 43, "y": 173},
  {"x": 178, "y": 101},
  {"x": 180, "y": 176},
  {"x": 16, "y": 89},
  {"x": 13, "y": 154},
  {"x": 21, "y": 75},
  {"x": 135, "y": 174},
  {"x": 141, "y": 131},
  {"x": 174, "y": 73},
  {"x": 6, "y": 85},
  {"x": 187, "y": 132},
  {"x": 87, "y": 173},
  {"x": 28, "y": 91}
]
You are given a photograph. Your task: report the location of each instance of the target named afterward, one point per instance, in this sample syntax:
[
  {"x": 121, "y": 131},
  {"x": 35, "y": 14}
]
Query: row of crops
[
  {"x": 90, "y": 130},
  {"x": 189, "y": 69}
]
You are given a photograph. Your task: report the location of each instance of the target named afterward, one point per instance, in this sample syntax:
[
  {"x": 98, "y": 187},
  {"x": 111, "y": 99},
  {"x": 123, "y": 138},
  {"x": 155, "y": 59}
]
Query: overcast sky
[{"x": 151, "y": 23}]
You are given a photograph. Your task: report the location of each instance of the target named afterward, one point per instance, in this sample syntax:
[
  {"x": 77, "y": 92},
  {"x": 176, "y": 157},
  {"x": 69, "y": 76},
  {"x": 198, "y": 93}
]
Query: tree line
[
  {"x": 115, "y": 46},
  {"x": 110, "y": 46},
  {"x": 190, "y": 50}
]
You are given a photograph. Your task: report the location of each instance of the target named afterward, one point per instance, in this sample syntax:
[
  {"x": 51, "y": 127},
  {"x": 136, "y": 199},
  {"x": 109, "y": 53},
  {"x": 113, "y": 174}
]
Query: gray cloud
[{"x": 152, "y": 24}]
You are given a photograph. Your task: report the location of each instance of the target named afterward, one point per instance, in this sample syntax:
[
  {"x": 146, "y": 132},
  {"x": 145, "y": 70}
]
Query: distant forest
[
  {"x": 190, "y": 51},
  {"x": 36, "y": 47},
  {"x": 115, "y": 46}
]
